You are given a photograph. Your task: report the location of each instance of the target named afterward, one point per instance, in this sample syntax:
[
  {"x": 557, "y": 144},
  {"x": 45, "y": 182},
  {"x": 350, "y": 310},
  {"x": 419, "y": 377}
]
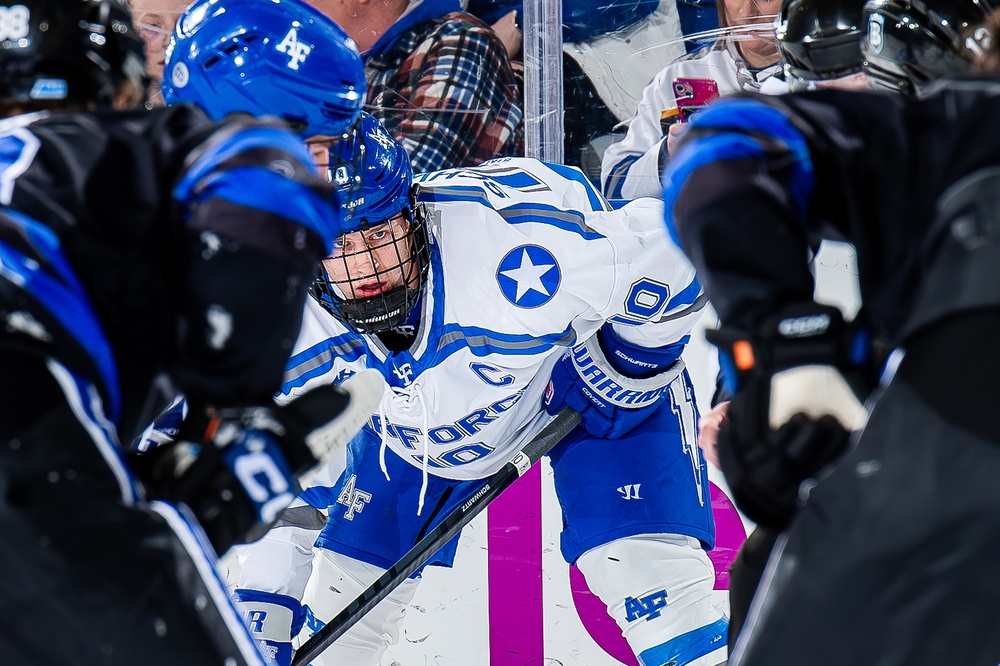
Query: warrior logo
[
  {"x": 630, "y": 491},
  {"x": 296, "y": 50}
]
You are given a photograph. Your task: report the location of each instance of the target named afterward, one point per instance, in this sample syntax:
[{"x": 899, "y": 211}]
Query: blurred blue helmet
[
  {"x": 373, "y": 280},
  {"x": 266, "y": 57}
]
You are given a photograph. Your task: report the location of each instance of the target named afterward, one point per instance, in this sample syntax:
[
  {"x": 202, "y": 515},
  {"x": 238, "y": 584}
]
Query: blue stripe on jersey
[
  {"x": 616, "y": 178},
  {"x": 688, "y": 646},
  {"x": 567, "y": 220},
  {"x": 63, "y": 297},
  {"x": 318, "y": 360},
  {"x": 88, "y": 410},
  {"x": 746, "y": 115},
  {"x": 597, "y": 202},
  {"x": 201, "y": 554},
  {"x": 686, "y": 296},
  {"x": 448, "y": 193},
  {"x": 481, "y": 341}
]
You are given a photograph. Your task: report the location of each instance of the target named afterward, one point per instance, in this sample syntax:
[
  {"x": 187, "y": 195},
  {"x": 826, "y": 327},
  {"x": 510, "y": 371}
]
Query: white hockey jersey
[
  {"x": 630, "y": 168},
  {"x": 526, "y": 259}
]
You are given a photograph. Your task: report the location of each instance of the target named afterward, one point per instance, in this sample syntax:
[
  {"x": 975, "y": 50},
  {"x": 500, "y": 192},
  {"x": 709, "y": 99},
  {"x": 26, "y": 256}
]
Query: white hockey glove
[
  {"x": 237, "y": 469},
  {"x": 610, "y": 402}
]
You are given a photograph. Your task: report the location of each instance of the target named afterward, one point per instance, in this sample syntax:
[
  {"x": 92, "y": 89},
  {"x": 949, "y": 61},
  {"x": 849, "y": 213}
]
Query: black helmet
[
  {"x": 67, "y": 51},
  {"x": 913, "y": 42},
  {"x": 820, "y": 39}
]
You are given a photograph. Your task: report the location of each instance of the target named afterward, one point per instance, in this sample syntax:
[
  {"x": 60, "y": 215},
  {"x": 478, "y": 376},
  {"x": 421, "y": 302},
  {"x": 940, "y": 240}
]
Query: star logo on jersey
[{"x": 528, "y": 276}]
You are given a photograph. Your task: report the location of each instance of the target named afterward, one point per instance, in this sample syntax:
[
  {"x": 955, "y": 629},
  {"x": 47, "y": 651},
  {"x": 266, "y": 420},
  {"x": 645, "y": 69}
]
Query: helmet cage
[{"x": 385, "y": 311}]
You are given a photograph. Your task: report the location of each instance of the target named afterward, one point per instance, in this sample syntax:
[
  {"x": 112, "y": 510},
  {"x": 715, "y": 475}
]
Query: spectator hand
[
  {"x": 674, "y": 134},
  {"x": 708, "y": 432}
]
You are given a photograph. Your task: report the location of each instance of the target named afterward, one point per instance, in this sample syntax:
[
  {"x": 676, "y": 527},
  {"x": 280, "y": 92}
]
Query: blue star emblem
[{"x": 528, "y": 276}]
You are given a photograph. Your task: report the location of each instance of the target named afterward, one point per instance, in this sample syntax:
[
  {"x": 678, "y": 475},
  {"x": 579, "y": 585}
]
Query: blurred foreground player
[
  {"x": 888, "y": 557},
  {"x": 138, "y": 249}
]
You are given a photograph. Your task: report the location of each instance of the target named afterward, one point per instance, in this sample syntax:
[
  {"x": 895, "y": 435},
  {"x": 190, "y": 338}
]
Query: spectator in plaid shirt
[{"x": 438, "y": 79}]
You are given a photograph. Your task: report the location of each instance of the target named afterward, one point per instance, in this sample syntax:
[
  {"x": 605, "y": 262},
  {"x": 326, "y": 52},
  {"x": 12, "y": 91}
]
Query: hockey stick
[{"x": 542, "y": 443}]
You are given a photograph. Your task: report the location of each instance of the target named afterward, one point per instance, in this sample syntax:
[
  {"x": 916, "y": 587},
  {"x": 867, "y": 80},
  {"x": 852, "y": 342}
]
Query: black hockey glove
[
  {"x": 798, "y": 396},
  {"x": 237, "y": 469}
]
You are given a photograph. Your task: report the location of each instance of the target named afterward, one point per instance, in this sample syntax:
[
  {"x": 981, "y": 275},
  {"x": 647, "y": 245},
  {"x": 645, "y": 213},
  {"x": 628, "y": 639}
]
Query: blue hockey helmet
[
  {"x": 374, "y": 278},
  {"x": 371, "y": 172},
  {"x": 274, "y": 57}
]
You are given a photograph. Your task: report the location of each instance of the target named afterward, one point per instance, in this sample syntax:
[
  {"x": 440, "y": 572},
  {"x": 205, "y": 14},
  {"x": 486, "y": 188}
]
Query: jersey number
[{"x": 14, "y": 22}]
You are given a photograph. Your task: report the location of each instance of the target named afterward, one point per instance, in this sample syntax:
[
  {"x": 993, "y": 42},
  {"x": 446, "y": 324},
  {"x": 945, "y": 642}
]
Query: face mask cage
[{"x": 375, "y": 276}]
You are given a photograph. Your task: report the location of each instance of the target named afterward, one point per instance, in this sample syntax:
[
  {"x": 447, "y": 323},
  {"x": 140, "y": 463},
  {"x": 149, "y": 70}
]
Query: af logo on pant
[
  {"x": 353, "y": 498},
  {"x": 648, "y": 606}
]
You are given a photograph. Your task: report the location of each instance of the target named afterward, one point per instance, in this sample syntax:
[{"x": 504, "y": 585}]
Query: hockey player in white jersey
[
  {"x": 465, "y": 293},
  {"x": 466, "y": 290}
]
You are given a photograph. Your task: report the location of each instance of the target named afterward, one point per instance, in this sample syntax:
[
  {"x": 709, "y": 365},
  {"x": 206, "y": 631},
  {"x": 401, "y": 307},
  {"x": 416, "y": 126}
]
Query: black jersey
[
  {"x": 164, "y": 241},
  {"x": 757, "y": 186}
]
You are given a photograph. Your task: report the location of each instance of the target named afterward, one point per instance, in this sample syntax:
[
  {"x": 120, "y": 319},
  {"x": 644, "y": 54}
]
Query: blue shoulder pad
[{"x": 260, "y": 186}]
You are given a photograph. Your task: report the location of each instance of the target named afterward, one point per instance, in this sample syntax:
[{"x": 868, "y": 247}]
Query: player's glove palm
[{"x": 793, "y": 411}]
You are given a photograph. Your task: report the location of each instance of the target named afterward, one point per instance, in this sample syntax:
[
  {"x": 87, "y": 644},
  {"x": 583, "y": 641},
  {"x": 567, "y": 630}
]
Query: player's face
[
  {"x": 319, "y": 146},
  {"x": 155, "y": 20},
  {"x": 366, "y": 264},
  {"x": 761, "y": 49}
]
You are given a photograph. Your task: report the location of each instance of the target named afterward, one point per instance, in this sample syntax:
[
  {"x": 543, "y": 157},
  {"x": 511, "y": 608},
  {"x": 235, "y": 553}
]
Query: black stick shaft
[{"x": 452, "y": 524}]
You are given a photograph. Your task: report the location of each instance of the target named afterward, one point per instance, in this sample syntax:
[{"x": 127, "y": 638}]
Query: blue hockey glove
[
  {"x": 273, "y": 620},
  {"x": 799, "y": 383},
  {"x": 611, "y": 402}
]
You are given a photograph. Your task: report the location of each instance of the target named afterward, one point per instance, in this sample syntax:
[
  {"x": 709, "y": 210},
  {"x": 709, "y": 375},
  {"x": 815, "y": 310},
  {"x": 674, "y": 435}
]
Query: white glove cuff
[{"x": 615, "y": 388}]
